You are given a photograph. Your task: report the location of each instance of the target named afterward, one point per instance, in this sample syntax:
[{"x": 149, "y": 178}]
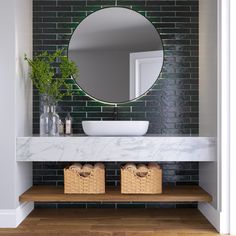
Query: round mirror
[{"x": 119, "y": 54}]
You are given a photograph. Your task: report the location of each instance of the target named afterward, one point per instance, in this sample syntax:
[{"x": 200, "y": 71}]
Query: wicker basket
[
  {"x": 81, "y": 181},
  {"x": 149, "y": 182}
]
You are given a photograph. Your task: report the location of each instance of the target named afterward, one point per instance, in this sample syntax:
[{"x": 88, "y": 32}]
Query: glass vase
[
  {"x": 44, "y": 121},
  {"x": 53, "y": 124}
]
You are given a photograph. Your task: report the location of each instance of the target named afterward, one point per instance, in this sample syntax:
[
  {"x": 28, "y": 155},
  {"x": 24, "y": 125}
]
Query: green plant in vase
[
  {"x": 49, "y": 74},
  {"x": 44, "y": 77}
]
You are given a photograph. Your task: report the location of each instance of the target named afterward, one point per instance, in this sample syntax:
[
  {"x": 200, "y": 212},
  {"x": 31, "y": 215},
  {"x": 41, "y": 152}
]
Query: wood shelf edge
[{"x": 186, "y": 193}]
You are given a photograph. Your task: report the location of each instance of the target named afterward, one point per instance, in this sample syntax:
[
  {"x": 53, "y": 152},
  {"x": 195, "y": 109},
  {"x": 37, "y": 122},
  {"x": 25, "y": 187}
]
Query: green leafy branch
[{"x": 43, "y": 74}]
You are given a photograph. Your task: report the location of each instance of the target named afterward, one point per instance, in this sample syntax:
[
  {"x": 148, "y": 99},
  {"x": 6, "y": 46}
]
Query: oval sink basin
[{"x": 115, "y": 128}]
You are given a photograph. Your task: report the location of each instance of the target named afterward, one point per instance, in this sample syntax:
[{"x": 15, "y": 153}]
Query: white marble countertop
[{"x": 120, "y": 149}]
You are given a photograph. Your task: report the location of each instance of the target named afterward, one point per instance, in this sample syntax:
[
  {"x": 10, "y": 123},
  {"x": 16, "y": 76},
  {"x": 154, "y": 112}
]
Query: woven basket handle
[
  {"x": 84, "y": 174},
  {"x": 141, "y": 174}
]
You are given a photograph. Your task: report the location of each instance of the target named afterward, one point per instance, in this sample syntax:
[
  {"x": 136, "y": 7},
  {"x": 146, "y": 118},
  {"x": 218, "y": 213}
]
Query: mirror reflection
[{"x": 119, "y": 54}]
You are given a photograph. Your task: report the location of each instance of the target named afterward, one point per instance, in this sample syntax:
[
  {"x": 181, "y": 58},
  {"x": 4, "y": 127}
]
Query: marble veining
[{"x": 87, "y": 148}]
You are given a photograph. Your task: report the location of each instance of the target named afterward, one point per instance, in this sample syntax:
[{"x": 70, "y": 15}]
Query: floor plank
[
  {"x": 170, "y": 194},
  {"x": 113, "y": 222}
]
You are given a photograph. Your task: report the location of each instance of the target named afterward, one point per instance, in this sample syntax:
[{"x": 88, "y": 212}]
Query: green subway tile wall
[{"x": 171, "y": 105}]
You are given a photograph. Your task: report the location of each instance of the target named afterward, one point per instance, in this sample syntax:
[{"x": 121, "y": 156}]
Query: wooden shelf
[{"x": 170, "y": 194}]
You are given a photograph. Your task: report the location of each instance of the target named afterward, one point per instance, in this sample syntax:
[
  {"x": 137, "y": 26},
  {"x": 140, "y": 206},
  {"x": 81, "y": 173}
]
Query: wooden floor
[
  {"x": 111, "y": 222},
  {"x": 170, "y": 194}
]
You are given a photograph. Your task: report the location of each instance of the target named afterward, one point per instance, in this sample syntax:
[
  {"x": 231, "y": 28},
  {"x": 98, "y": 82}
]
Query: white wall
[
  {"x": 16, "y": 104},
  {"x": 7, "y": 103},
  {"x": 208, "y": 88},
  {"x": 208, "y": 102},
  {"x": 208, "y": 67},
  {"x": 23, "y": 86},
  {"x": 232, "y": 118},
  {"x": 223, "y": 218}
]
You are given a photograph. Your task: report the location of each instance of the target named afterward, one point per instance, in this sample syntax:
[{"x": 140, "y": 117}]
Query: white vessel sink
[{"x": 115, "y": 128}]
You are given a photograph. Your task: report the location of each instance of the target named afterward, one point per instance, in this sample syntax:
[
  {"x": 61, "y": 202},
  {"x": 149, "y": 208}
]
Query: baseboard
[
  {"x": 211, "y": 214},
  {"x": 11, "y": 218}
]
